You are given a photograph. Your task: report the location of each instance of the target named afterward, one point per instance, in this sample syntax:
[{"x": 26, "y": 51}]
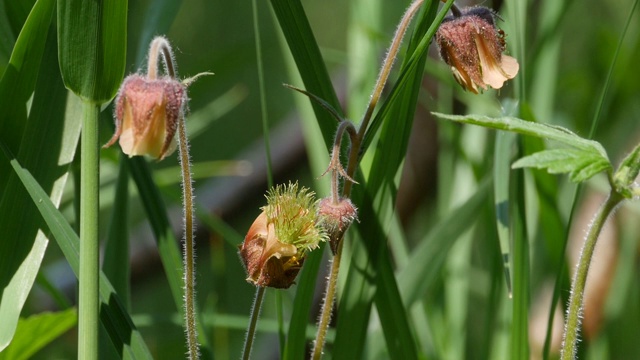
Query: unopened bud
[{"x": 336, "y": 219}]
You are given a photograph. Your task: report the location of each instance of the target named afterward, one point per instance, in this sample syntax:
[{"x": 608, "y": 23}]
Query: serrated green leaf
[
  {"x": 92, "y": 37},
  {"x": 580, "y": 164},
  {"x": 37, "y": 331},
  {"x": 546, "y": 131}
]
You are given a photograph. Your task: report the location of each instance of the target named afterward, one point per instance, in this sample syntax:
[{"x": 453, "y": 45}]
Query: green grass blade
[
  {"x": 306, "y": 285},
  {"x": 306, "y": 53},
  {"x": 157, "y": 215},
  {"x": 427, "y": 259},
  {"x": 92, "y": 38},
  {"x": 501, "y": 169},
  {"x": 23, "y": 246},
  {"x": 521, "y": 279},
  {"x": 359, "y": 292},
  {"x": 165, "y": 238},
  {"x": 37, "y": 331},
  {"x": 115, "y": 318},
  {"x": 115, "y": 264},
  {"x": 19, "y": 79}
]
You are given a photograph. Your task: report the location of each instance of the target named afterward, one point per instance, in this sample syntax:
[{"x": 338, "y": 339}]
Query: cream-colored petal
[
  {"x": 509, "y": 66},
  {"x": 492, "y": 72}
]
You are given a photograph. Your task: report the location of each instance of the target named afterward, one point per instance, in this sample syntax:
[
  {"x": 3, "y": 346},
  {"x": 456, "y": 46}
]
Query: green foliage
[
  {"x": 428, "y": 270},
  {"x": 92, "y": 40},
  {"x": 37, "y": 331}
]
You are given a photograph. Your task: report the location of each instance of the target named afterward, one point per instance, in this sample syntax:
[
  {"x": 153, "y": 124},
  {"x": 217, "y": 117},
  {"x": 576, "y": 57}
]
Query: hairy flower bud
[
  {"x": 336, "y": 219},
  {"x": 278, "y": 240},
  {"x": 147, "y": 114},
  {"x": 472, "y": 45}
]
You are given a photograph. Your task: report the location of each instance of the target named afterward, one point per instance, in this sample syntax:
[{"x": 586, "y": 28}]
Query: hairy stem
[
  {"x": 89, "y": 301},
  {"x": 383, "y": 76},
  {"x": 327, "y": 305},
  {"x": 574, "y": 311},
  {"x": 160, "y": 46},
  {"x": 356, "y": 142},
  {"x": 251, "y": 331},
  {"x": 189, "y": 254}
]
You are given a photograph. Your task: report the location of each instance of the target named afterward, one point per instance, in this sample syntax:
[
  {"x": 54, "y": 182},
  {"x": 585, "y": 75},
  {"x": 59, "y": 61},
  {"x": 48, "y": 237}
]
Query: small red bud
[{"x": 336, "y": 219}]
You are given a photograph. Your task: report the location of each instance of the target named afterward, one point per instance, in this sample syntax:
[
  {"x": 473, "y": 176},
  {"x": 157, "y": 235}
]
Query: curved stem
[
  {"x": 327, "y": 305},
  {"x": 251, "y": 331},
  {"x": 388, "y": 64},
  {"x": 574, "y": 311},
  {"x": 383, "y": 76}
]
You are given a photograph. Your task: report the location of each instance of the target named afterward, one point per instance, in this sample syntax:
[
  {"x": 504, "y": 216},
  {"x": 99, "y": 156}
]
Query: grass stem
[{"x": 89, "y": 301}]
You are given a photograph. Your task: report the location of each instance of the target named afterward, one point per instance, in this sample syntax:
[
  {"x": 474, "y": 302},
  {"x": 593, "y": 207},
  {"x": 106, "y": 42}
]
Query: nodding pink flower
[
  {"x": 472, "y": 45},
  {"x": 147, "y": 114}
]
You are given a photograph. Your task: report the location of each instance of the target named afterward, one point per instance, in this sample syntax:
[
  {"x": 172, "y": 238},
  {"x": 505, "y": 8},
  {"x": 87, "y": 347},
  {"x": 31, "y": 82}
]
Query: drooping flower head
[
  {"x": 149, "y": 107},
  {"x": 147, "y": 114},
  {"x": 472, "y": 45},
  {"x": 278, "y": 240}
]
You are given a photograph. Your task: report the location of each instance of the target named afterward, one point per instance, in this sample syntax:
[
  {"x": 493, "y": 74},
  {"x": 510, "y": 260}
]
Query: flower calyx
[
  {"x": 277, "y": 242},
  {"x": 472, "y": 45}
]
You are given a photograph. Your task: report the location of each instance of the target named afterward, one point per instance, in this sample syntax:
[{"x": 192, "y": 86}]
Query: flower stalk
[
  {"x": 576, "y": 305},
  {"x": 356, "y": 138},
  {"x": 150, "y": 110},
  {"x": 253, "y": 322}
]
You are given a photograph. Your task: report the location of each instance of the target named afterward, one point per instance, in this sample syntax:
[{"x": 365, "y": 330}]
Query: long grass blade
[{"x": 121, "y": 329}]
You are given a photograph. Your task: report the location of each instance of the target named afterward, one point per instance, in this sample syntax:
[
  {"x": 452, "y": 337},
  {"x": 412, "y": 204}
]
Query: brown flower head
[
  {"x": 147, "y": 114},
  {"x": 472, "y": 45},
  {"x": 336, "y": 218},
  {"x": 278, "y": 240}
]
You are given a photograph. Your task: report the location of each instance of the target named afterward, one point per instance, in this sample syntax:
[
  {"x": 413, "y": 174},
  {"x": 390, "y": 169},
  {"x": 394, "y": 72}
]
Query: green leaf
[
  {"x": 123, "y": 333},
  {"x": 395, "y": 117},
  {"x": 546, "y": 131},
  {"x": 37, "y": 331},
  {"x": 428, "y": 257},
  {"x": 580, "y": 164},
  {"x": 165, "y": 238},
  {"x": 305, "y": 51},
  {"x": 115, "y": 263},
  {"x": 92, "y": 38},
  {"x": 33, "y": 66},
  {"x": 296, "y": 337}
]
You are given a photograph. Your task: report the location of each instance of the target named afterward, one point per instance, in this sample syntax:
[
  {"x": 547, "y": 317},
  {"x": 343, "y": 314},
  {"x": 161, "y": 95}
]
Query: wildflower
[
  {"x": 278, "y": 240},
  {"x": 336, "y": 218},
  {"x": 472, "y": 45},
  {"x": 147, "y": 115}
]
